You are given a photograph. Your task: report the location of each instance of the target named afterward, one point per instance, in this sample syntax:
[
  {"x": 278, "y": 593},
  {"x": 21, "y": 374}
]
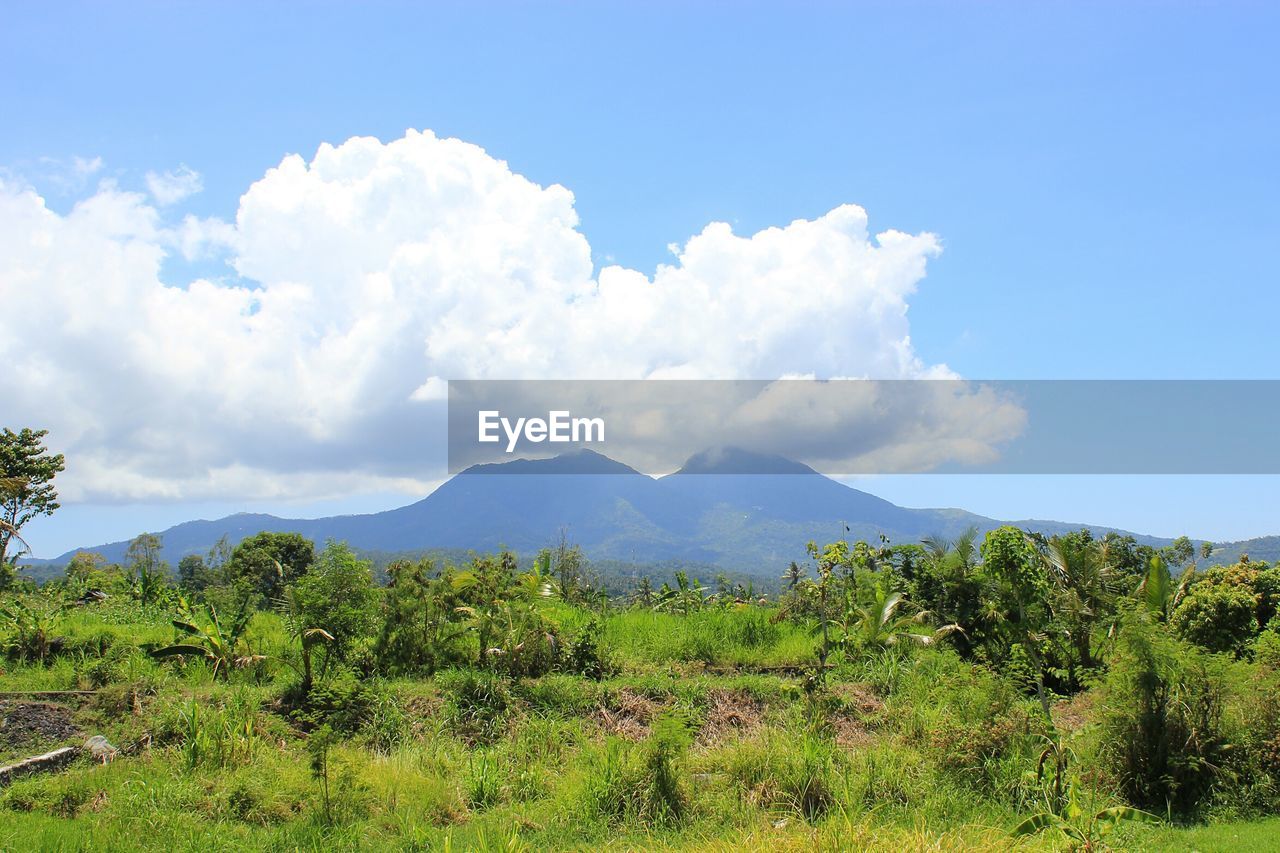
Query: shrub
[
  {"x": 641, "y": 784},
  {"x": 342, "y": 702},
  {"x": 969, "y": 717},
  {"x": 586, "y": 655},
  {"x": 1162, "y": 722},
  {"x": 478, "y": 706},
  {"x": 1218, "y": 617}
]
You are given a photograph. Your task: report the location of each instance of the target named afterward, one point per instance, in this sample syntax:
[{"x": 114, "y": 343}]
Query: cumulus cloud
[
  {"x": 363, "y": 278},
  {"x": 172, "y": 187}
]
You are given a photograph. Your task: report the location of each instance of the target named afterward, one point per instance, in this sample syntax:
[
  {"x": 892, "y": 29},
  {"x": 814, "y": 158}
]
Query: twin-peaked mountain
[{"x": 707, "y": 512}]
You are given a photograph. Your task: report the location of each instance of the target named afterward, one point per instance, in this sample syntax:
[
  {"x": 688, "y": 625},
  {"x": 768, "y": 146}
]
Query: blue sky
[{"x": 1101, "y": 179}]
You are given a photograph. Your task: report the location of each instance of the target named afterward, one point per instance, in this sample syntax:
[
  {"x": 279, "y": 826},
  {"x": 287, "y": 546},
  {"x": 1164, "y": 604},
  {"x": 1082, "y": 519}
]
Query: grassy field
[{"x": 701, "y": 737}]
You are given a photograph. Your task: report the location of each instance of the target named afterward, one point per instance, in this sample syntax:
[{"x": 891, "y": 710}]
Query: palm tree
[
  {"x": 643, "y": 595},
  {"x": 1085, "y": 586},
  {"x": 307, "y": 637},
  {"x": 958, "y": 555},
  {"x": 794, "y": 575},
  {"x": 1158, "y": 591},
  {"x": 878, "y": 624}
]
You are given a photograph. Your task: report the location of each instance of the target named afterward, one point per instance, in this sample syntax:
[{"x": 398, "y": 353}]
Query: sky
[{"x": 224, "y": 304}]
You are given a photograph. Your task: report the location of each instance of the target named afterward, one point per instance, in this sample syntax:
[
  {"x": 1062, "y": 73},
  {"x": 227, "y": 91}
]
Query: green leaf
[
  {"x": 1036, "y": 823},
  {"x": 179, "y": 649},
  {"x": 1115, "y": 814}
]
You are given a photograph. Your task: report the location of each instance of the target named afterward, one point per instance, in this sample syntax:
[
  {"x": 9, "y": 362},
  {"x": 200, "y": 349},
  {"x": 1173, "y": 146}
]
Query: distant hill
[
  {"x": 1263, "y": 548},
  {"x": 708, "y": 513}
]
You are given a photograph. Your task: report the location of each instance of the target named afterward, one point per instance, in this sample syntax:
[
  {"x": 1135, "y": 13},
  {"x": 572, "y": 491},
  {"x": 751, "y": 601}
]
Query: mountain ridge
[{"x": 709, "y": 511}]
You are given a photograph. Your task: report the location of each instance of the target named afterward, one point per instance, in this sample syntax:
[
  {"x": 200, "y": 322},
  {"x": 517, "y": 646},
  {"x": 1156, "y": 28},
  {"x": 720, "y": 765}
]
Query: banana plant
[
  {"x": 686, "y": 597},
  {"x": 1084, "y": 828},
  {"x": 33, "y": 622},
  {"x": 223, "y": 646},
  {"x": 1084, "y": 832}
]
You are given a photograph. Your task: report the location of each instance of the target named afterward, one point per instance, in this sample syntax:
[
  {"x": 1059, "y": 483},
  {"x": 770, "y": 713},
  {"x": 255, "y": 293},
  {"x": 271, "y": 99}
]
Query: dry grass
[
  {"x": 730, "y": 714},
  {"x": 628, "y": 714}
]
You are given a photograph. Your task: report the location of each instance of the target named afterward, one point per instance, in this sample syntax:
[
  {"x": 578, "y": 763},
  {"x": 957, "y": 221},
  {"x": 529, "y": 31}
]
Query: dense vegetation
[
  {"x": 901, "y": 695},
  {"x": 1013, "y": 691}
]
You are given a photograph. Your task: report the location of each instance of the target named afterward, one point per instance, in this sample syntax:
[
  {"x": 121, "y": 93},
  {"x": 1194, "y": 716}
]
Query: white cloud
[
  {"x": 83, "y": 167},
  {"x": 369, "y": 272},
  {"x": 172, "y": 187}
]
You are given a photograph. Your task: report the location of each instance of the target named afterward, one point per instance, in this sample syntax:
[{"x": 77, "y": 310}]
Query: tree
[
  {"x": 1018, "y": 585},
  {"x": 1225, "y": 607},
  {"x": 84, "y": 567},
  {"x": 829, "y": 558},
  {"x": 567, "y": 563},
  {"x": 218, "y": 558},
  {"x": 794, "y": 575},
  {"x": 1085, "y": 588},
  {"x": 266, "y": 563},
  {"x": 1158, "y": 591},
  {"x": 27, "y": 470},
  {"x": 420, "y": 626},
  {"x": 644, "y": 594},
  {"x": 193, "y": 574},
  {"x": 146, "y": 568},
  {"x": 947, "y": 585},
  {"x": 878, "y": 625},
  {"x": 1179, "y": 553},
  {"x": 338, "y": 595},
  {"x": 1218, "y": 617}
]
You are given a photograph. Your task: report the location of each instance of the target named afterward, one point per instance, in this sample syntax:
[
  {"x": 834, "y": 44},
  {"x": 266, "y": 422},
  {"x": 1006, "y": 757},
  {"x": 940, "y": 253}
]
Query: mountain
[{"x": 718, "y": 509}]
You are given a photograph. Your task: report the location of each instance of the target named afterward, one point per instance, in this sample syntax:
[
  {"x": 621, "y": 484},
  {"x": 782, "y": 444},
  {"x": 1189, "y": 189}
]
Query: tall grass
[{"x": 716, "y": 636}]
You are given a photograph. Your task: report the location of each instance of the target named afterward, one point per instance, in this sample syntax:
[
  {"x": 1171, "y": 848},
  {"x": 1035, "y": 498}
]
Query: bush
[
  {"x": 640, "y": 784},
  {"x": 1218, "y": 617},
  {"x": 1162, "y": 722},
  {"x": 586, "y": 655},
  {"x": 343, "y": 702},
  {"x": 478, "y": 706},
  {"x": 970, "y": 717}
]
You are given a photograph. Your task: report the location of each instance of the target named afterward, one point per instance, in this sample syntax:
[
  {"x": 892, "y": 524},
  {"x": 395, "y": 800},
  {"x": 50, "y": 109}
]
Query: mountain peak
[
  {"x": 581, "y": 461},
  {"x": 735, "y": 460}
]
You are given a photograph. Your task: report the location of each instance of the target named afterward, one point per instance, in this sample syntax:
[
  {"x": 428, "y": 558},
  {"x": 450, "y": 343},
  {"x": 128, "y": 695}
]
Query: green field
[{"x": 478, "y": 708}]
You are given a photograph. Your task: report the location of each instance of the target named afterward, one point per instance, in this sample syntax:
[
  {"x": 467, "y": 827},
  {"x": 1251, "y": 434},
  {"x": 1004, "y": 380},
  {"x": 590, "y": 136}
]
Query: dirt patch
[
  {"x": 730, "y": 714},
  {"x": 628, "y": 714},
  {"x": 858, "y": 716},
  {"x": 1070, "y": 715},
  {"x": 35, "y": 724}
]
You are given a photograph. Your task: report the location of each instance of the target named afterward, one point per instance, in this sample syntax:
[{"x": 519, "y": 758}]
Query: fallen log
[{"x": 55, "y": 760}]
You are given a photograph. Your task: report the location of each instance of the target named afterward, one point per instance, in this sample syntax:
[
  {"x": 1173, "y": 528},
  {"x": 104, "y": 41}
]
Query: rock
[
  {"x": 55, "y": 760},
  {"x": 100, "y": 748}
]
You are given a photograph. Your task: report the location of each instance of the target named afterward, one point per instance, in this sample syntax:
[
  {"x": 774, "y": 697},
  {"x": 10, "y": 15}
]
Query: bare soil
[{"x": 35, "y": 725}]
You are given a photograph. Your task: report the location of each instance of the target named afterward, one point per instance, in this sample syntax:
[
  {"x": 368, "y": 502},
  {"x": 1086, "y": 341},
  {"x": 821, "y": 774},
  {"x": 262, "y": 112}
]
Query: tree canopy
[{"x": 27, "y": 470}]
